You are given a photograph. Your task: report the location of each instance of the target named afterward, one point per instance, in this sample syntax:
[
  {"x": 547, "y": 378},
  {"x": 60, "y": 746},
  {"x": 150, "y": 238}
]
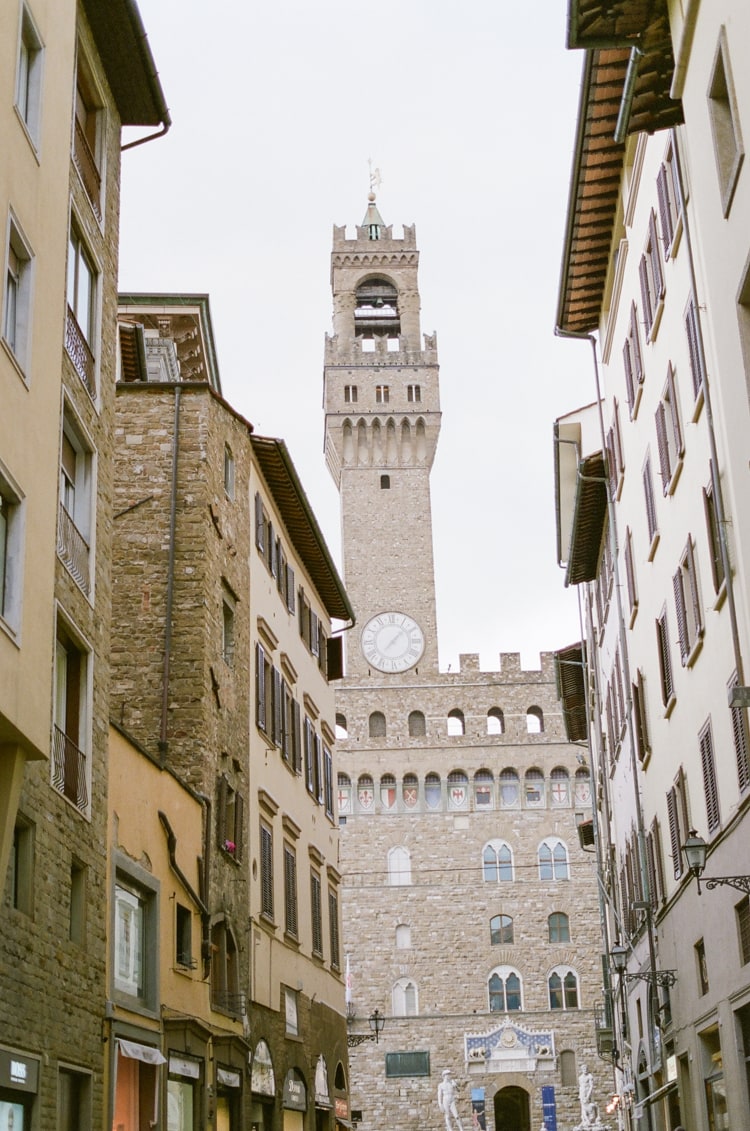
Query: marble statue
[{"x": 447, "y": 1097}]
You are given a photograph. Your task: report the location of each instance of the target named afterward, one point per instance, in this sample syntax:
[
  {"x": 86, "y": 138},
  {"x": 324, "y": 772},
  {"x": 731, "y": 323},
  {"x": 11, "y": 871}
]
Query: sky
[{"x": 469, "y": 113}]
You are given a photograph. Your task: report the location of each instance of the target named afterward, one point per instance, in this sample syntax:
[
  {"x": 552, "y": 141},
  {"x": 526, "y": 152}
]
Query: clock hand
[{"x": 399, "y": 633}]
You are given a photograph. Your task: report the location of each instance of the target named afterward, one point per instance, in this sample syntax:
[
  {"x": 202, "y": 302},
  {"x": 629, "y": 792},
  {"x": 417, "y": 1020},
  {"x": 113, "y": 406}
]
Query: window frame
[
  {"x": 652, "y": 280},
  {"x": 670, "y": 440},
  {"x": 12, "y": 543},
  {"x": 29, "y": 76},
  {"x": 18, "y": 289},
  {"x": 72, "y": 719},
  {"x": 143, "y": 889},
  {"x": 723, "y": 112},
  {"x": 291, "y": 902},
  {"x": 557, "y": 862},
  {"x": 690, "y": 624}
]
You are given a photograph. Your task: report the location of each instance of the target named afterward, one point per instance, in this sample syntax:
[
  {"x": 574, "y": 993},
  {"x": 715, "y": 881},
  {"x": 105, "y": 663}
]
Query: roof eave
[{"x": 126, "y": 56}]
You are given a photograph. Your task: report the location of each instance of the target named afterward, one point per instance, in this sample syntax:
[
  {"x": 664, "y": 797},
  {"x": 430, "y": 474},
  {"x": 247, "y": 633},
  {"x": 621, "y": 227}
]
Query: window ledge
[
  {"x": 698, "y": 406},
  {"x": 674, "y": 477},
  {"x": 653, "y": 546},
  {"x": 695, "y": 651},
  {"x": 658, "y": 312},
  {"x": 674, "y": 247},
  {"x": 29, "y": 137},
  {"x": 670, "y": 706},
  {"x": 633, "y": 614},
  {"x": 14, "y": 360},
  {"x": 721, "y": 596},
  {"x": 638, "y": 393},
  {"x": 9, "y": 631}
]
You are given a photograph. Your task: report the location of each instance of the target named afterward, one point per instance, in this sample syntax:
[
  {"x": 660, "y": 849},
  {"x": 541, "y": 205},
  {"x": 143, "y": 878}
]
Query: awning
[
  {"x": 657, "y": 1095},
  {"x": 146, "y": 1053},
  {"x": 227, "y": 1079}
]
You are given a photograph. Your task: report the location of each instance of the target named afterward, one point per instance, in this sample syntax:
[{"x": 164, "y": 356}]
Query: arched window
[
  {"x": 497, "y": 862},
  {"x": 339, "y": 1080},
  {"x": 553, "y": 860},
  {"x": 534, "y": 789},
  {"x": 405, "y": 998},
  {"x": 399, "y": 866},
  {"x": 534, "y": 720},
  {"x": 432, "y": 791},
  {"x": 388, "y": 791},
  {"x": 376, "y": 309},
  {"x": 483, "y": 783},
  {"x": 410, "y": 791},
  {"x": 559, "y": 790},
  {"x": 510, "y": 791},
  {"x": 583, "y": 786},
  {"x": 495, "y": 721},
  {"x": 366, "y": 793},
  {"x": 458, "y": 790},
  {"x": 403, "y": 936},
  {"x": 504, "y": 990},
  {"x": 225, "y": 983},
  {"x": 377, "y": 724},
  {"x": 385, "y": 482},
  {"x": 559, "y": 927},
  {"x": 563, "y": 988},
  {"x": 456, "y": 722},
  {"x": 417, "y": 727},
  {"x": 501, "y": 930},
  {"x": 568, "y": 1073},
  {"x": 344, "y": 794},
  {"x": 341, "y": 728}
]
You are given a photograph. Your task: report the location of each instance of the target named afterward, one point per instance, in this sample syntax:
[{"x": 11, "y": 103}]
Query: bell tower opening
[{"x": 376, "y": 310}]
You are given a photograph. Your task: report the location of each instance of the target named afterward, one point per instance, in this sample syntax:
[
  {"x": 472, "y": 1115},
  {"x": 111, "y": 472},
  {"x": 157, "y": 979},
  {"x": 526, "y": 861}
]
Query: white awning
[
  {"x": 227, "y": 1078},
  {"x": 146, "y": 1053}
]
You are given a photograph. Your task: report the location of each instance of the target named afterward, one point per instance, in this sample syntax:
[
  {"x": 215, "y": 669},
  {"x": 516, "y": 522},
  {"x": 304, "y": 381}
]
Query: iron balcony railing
[
  {"x": 69, "y": 770},
  {"x": 85, "y": 163},
  {"x": 73, "y": 550},
  {"x": 80, "y": 354}
]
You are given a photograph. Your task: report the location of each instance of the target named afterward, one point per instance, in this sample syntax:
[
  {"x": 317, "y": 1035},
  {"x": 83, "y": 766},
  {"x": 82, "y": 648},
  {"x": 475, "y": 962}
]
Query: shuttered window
[
  {"x": 714, "y": 543},
  {"x": 333, "y": 928},
  {"x": 642, "y": 740},
  {"x": 648, "y": 492},
  {"x": 665, "y": 662},
  {"x": 630, "y": 574},
  {"x": 316, "y": 914},
  {"x": 687, "y": 604},
  {"x": 669, "y": 433},
  {"x": 695, "y": 350},
  {"x": 739, "y": 734},
  {"x": 266, "y": 872},
  {"x": 679, "y": 822},
  {"x": 290, "y": 891},
  {"x": 710, "y": 786}
]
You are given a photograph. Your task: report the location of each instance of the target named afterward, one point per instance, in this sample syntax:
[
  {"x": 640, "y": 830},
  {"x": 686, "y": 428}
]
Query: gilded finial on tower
[{"x": 373, "y": 221}]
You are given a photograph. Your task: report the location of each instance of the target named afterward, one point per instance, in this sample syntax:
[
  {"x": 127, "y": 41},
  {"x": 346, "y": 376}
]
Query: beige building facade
[
  {"x": 70, "y": 82},
  {"x": 471, "y": 920},
  {"x": 652, "y": 527}
]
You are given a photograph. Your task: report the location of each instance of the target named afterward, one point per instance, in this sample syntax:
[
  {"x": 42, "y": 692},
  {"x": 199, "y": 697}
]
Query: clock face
[{"x": 392, "y": 642}]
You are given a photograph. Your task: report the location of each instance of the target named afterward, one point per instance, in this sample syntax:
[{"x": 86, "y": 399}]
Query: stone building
[
  {"x": 72, "y": 76},
  {"x": 470, "y": 907},
  {"x": 654, "y": 528},
  {"x": 223, "y": 595}
]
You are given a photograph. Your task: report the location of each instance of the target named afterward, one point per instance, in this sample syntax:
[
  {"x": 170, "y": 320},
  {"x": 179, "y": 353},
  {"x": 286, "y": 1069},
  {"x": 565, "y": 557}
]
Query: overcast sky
[{"x": 469, "y": 113}]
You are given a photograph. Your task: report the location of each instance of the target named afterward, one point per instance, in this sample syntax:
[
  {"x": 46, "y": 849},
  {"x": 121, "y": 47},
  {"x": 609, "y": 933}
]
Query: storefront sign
[
  {"x": 295, "y": 1093},
  {"x": 18, "y": 1071},
  {"x": 341, "y": 1107}
]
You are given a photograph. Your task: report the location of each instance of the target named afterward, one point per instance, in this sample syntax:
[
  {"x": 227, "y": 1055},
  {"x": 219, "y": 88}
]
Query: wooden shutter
[
  {"x": 239, "y": 825},
  {"x": 665, "y": 213},
  {"x": 663, "y": 446},
  {"x": 648, "y": 312},
  {"x": 266, "y": 871},
  {"x": 697, "y": 367},
  {"x": 739, "y": 733},
  {"x": 674, "y": 413},
  {"x": 630, "y": 572},
  {"x": 710, "y": 786},
  {"x": 221, "y": 811},
  {"x": 278, "y": 707},
  {"x": 635, "y": 339},
  {"x": 648, "y": 491},
  {"x": 260, "y": 529},
  {"x": 643, "y": 745},
  {"x": 296, "y": 737},
  {"x": 318, "y": 768},
  {"x": 682, "y": 629},
  {"x": 309, "y": 756},
  {"x": 335, "y": 659},
  {"x": 290, "y": 588},
  {"x": 333, "y": 927},
  {"x": 290, "y": 890},
  {"x": 714, "y": 545},
  {"x": 316, "y": 914},
  {"x": 655, "y": 259},
  {"x": 260, "y": 688},
  {"x": 627, "y": 362},
  {"x": 665, "y": 663},
  {"x": 674, "y": 832},
  {"x": 328, "y": 780}
]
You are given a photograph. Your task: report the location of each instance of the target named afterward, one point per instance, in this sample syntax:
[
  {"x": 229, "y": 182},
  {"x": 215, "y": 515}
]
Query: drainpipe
[
  {"x": 163, "y": 744},
  {"x": 628, "y": 90}
]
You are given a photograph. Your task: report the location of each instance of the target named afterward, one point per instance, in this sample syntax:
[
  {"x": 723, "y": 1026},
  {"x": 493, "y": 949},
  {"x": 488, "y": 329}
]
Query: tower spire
[{"x": 373, "y": 221}]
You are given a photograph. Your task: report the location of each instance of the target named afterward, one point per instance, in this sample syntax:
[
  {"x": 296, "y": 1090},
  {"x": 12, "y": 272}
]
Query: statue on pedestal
[{"x": 447, "y": 1097}]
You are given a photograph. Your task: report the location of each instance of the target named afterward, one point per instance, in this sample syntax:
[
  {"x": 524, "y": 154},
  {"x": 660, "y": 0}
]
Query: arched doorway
[{"x": 512, "y": 1110}]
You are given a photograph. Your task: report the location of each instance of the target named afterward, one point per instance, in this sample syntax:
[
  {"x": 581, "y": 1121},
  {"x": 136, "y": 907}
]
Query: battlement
[
  {"x": 376, "y": 351},
  {"x": 386, "y": 242},
  {"x": 510, "y": 667}
]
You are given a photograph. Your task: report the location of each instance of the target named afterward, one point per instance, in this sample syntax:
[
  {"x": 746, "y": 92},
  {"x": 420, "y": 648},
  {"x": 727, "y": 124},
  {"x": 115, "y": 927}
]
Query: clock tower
[{"x": 382, "y": 421}]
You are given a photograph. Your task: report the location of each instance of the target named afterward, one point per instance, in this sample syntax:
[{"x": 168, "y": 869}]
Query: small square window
[
  {"x": 350, "y": 394},
  {"x": 77, "y": 925},
  {"x": 382, "y": 394},
  {"x": 414, "y": 394}
]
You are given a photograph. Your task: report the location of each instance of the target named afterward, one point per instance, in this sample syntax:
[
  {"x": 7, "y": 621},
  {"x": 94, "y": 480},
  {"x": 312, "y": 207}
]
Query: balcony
[
  {"x": 80, "y": 354},
  {"x": 85, "y": 163},
  {"x": 229, "y": 1002},
  {"x": 69, "y": 770},
  {"x": 73, "y": 550}
]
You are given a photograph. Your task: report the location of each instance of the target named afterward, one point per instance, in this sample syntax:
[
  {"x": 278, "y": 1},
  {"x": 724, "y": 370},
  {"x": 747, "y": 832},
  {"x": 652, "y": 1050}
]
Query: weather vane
[{"x": 375, "y": 178}]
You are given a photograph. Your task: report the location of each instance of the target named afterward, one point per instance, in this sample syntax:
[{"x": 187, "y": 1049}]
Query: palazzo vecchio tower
[{"x": 470, "y": 918}]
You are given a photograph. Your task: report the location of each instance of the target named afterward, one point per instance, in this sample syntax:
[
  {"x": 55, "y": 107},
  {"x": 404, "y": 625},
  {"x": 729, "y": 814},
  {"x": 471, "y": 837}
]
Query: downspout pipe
[
  {"x": 163, "y": 744},
  {"x": 628, "y": 92}
]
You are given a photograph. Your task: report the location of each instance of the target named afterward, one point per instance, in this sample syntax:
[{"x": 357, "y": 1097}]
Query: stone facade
[{"x": 470, "y": 906}]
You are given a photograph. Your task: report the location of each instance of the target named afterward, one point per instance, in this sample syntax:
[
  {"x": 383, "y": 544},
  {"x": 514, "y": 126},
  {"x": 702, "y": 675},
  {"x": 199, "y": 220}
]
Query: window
[
  {"x": 670, "y": 201},
  {"x": 70, "y": 769},
  {"x": 739, "y": 734},
  {"x": 456, "y": 722},
  {"x": 350, "y": 394},
  {"x": 385, "y": 482},
  {"x": 225, "y": 975},
  {"x": 568, "y": 1074},
  {"x": 655, "y": 864},
  {"x": 291, "y": 1015},
  {"x": 230, "y": 807},
  {"x": 679, "y": 822},
  {"x": 665, "y": 661},
  {"x": 563, "y": 988},
  {"x": 74, "y": 1100},
  {"x": 399, "y": 866},
  {"x": 640, "y": 717},
  {"x": 22, "y": 866},
  {"x": 630, "y": 576},
  {"x": 501, "y": 930},
  {"x": 710, "y": 785},
  {"x": 417, "y": 728},
  {"x": 558, "y": 926},
  {"x": 559, "y": 789},
  {"x": 382, "y": 394},
  {"x": 652, "y": 280},
  {"x": 497, "y": 862},
  {"x": 553, "y": 860},
  {"x": 714, "y": 537},
  {"x": 669, "y": 435},
  {"x": 495, "y": 721},
  {"x": 11, "y": 550},
  {"x": 433, "y": 793},
  {"x": 742, "y": 912},
  {"x": 534, "y": 789},
  {"x": 388, "y": 791},
  {"x": 76, "y": 493},
  {"x": 376, "y": 725},
  {"x": 458, "y": 790},
  {"x": 228, "y": 472},
  {"x": 701, "y": 966},
  {"x": 183, "y": 937},
  {"x": 534, "y": 721},
  {"x": 410, "y": 791},
  {"x": 405, "y": 1002},
  {"x": 403, "y": 936},
  {"x": 81, "y": 321},
  {"x": 17, "y": 295},
  {"x": 86, "y": 141},
  {"x": 77, "y": 910},
  {"x": 687, "y": 605},
  {"x": 366, "y": 793},
  {"x": 333, "y": 927},
  {"x": 648, "y": 493},
  {"x": 695, "y": 348},
  {"x": 510, "y": 790},
  {"x": 722, "y": 107},
  {"x": 316, "y": 913},
  {"x": 633, "y": 363},
  {"x": 135, "y": 957},
  {"x": 266, "y": 872},
  {"x": 483, "y": 789},
  {"x": 29, "y": 76},
  {"x": 290, "y": 891},
  {"x": 615, "y": 454},
  {"x": 413, "y": 393},
  {"x": 504, "y": 990},
  {"x": 228, "y": 603}
]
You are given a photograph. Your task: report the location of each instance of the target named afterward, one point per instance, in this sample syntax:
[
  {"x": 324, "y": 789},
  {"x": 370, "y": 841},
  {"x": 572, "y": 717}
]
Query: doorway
[{"x": 512, "y": 1110}]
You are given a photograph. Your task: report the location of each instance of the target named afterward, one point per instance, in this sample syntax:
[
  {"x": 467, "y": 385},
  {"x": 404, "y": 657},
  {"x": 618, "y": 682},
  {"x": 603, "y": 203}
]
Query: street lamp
[
  {"x": 377, "y": 1023},
  {"x": 663, "y": 978},
  {"x": 696, "y": 849}
]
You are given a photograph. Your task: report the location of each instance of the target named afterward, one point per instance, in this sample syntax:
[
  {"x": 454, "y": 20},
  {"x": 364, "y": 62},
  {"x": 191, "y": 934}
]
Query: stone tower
[{"x": 382, "y": 423}]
